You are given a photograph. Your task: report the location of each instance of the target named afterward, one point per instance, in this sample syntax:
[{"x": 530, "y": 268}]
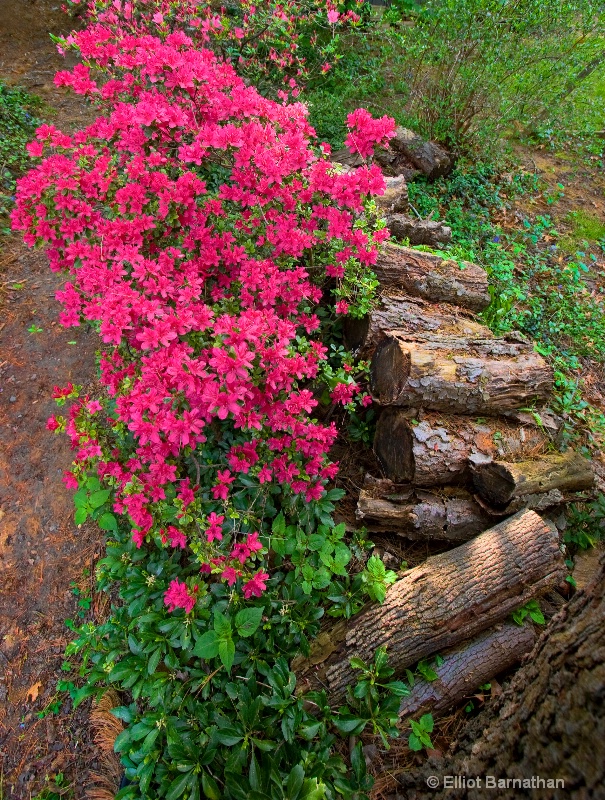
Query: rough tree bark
[
  {"x": 425, "y": 515},
  {"x": 434, "y": 449},
  {"x": 447, "y": 599},
  {"x": 466, "y": 667},
  {"x": 401, "y": 313},
  {"x": 432, "y": 277},
  {"x": 459, "y": 375},
  {"x": 419, "y": 231},
  {"x": 500, "y": 482},
  {"x": 549, "y": 722}
]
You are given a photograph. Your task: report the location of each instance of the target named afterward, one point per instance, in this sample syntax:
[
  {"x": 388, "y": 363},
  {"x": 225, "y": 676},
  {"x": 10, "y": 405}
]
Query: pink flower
[
  {"x": 333, "y": 16},
  {"x": 94, "y": 406},
  {"x": 366, "y": 400},
  {"x": 255, "y": 586},
  {"x": 342, "y": 307},
  {"x": 177, "y": 537},
  {"x": 178, "y": 596},
  {"x": 230, "y": 575},
  {"x": 70, "y": 480},
  {"x": 52, "y": 424}
]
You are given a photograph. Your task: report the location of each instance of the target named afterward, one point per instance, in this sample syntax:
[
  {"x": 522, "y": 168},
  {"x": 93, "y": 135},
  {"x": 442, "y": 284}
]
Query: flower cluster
[
  {"x": 199, "y": 228},
  {"x": 272, "y": 42}
]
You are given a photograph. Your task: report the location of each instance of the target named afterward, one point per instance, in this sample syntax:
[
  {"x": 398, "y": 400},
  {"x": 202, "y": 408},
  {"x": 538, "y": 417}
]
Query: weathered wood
[
  {"x": 401, "y": 313},
  {"x": 466, "y": 667},
  {"x": 435, "y": 449},
  {"x": 432, "y": 277},
  {"x": 429, "y": 157},
  {"x": 452, "y": 517},
  {"x": 419, "y": 231},
  {"x": 444, "y": 601},
  {"x": 395, "y": 197},
  {"x": 499, "y": 481},
  {"x": 459, "y": 375}
]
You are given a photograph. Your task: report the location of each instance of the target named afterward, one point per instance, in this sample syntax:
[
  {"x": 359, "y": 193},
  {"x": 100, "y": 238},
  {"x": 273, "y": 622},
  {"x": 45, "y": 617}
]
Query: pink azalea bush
[
  {"x": 200, "y": 227},
  {"x": 273, "y": 40}
]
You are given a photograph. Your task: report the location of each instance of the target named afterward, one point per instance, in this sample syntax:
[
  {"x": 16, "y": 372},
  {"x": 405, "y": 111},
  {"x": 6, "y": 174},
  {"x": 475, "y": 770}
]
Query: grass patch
[{"x": 585, "y": 229}]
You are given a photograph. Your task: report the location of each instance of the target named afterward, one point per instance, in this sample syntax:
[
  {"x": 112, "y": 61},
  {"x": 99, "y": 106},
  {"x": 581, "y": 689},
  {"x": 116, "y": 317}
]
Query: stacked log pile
[{"x": 463, "y": 464}]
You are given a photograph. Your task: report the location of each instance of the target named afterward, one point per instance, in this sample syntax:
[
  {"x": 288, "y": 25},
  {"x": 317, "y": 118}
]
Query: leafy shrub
[
  {"x": 213, "y": 246},
  {"x": 17, "y": 125}
]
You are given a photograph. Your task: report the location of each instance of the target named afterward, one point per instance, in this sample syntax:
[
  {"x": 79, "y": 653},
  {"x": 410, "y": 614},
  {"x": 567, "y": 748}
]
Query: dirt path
[{"x": 41, "y": 551}]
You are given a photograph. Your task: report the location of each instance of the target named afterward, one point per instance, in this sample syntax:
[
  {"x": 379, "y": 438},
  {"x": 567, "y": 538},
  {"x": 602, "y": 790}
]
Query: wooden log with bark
[
  {"x": 466, "y": 667},
  {"x": 500, "y": 482},
  {"x": 445, "y": 516},
  {"x": 434, "y": 449},
  {"x": 432, "y": 233},
  {"x": 408, "y": 315},
  {"x": 444, "y": 601},
  {"x": 432, "y": 277},
  {"x": 549, "y": 721},
  {"x": 459, "y": 374}
]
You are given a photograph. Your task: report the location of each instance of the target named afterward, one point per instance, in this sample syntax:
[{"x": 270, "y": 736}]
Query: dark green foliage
[{"x": 17, "y": 125}]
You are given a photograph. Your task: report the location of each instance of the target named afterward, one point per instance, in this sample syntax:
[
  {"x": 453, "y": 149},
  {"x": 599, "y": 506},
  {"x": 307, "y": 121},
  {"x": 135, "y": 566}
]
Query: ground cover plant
[{"x": 212, "y": 245}]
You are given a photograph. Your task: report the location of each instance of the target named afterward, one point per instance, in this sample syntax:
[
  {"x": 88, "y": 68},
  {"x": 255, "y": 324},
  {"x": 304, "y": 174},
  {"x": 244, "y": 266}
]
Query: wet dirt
[{"x": 43, "y": 556}]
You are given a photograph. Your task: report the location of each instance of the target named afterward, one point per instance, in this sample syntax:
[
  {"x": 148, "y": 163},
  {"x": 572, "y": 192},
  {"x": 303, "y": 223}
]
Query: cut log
[
  {"x": 435, "y": 449},
  {"x": 466, "y": 667},
  {"x": 459, "y": 375},
  {"x": 500, "y": 482},
  {"x": 444, "y": 601},
  {"x": 419, "y": 231},
  {"x": 429, "y": 157},
  {"x": 395, "y": 197},
  {"x": 432, "y": 277},
  {"x": 455, "y": 517},
  {"x": 402, "y": 314}
]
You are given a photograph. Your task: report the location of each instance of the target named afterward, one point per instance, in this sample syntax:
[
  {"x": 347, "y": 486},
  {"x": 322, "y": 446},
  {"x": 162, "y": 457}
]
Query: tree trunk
[
  {"x": 435, "y": 449},
  {"x": 459, "y": 375},
  {"x": 432, "y": 277},
  {"x": 419, "y": 231},
  {"x": 466, "y": 667},
  {"x": 447, "y": 599},
  {"x": 400, "y": 313},
  {"x": 500, "y": 482},
  {"x": 426, "y": 515},
  {"x": 549, "y": 723}
]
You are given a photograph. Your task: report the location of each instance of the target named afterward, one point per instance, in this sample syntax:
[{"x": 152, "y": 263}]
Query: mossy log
[
  {"x": 433, "y": 233},
  {"x": 500, "y": 482},
  {"x": 432, "y": 277},
  {"x": 451, "y": 517},
  {"x": 435, "y": 449},
  {"x": 446, "y": 600},
  {"x": 404, "y": 315},
  {"x": 459, "y": 374},
  {"x": 467, "y": 667}
]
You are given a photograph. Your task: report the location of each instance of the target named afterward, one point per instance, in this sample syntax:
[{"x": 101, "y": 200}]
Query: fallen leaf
[{"x": 33, "y": 692}]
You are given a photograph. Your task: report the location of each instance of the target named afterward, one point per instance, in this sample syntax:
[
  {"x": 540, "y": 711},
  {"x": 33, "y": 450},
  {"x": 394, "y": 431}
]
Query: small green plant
[
  {"x": 35, "y": 329},
  {"x": 531, "y": 609},
  {"x": 585, "y": 523},
  {"x": 56, "y": 788},
  {"x": 419, "y": 737},
  {"x": 92, "y": 501},
  {"x": 377, "y": 579}
]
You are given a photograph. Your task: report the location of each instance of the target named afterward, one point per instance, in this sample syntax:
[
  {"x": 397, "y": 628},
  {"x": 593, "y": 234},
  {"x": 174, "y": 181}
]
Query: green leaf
[
  {"x": 107, "y": 522},
  {"x": 348, "y": 724},
  {"x": 80, "y": 516},
  {"x": 414, "y": 742},
  {"x": 427, "y": 722},
  {"x": 178, "y": 786},
  {"x": 207, "y": 645},
  {"x": 210, "y": 787},
  {"x": 357, "y": 663},
  {"x": 295, "y": 782},
  {"x": 279, "y": 525},
  {"x": 154, "y": 660},
  {"x": 226, "y": 651},
  {"x": 97, "y": 499},
  {"x": 247, "y": 621},
  {"x": 222, "y": 625}
]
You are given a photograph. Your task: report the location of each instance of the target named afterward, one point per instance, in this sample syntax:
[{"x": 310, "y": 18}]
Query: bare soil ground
[{"x": 41, "y": 551}]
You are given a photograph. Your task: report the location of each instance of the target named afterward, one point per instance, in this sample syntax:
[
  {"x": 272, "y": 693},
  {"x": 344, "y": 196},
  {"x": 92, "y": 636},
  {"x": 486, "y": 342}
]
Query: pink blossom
[
  {"x": 70, "y": 480},
  {"x": 255, "y": 586},
  {"x": 178, "y": 596},
  {"x": 333, "y": 16},
  {"x": 342, "y": 307}
]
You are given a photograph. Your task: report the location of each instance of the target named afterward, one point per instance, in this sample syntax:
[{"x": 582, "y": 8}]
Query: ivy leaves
[{"x": 219, "y": 641}]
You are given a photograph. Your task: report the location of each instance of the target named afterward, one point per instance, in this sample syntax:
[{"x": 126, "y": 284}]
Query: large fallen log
[
  {"x": 444, "y": 601},
  {"x": 419, "y": 231},
  {"x": 459, "y": 374},
  {"x": 451, "y": 517},
  {"x": 432, "y": 277},
  {"x": 435, "y": 449},
  {"x": 402, "y": 314},
  {"x": 500, "y": 482},
  {"x": 466, "y": 667}
]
